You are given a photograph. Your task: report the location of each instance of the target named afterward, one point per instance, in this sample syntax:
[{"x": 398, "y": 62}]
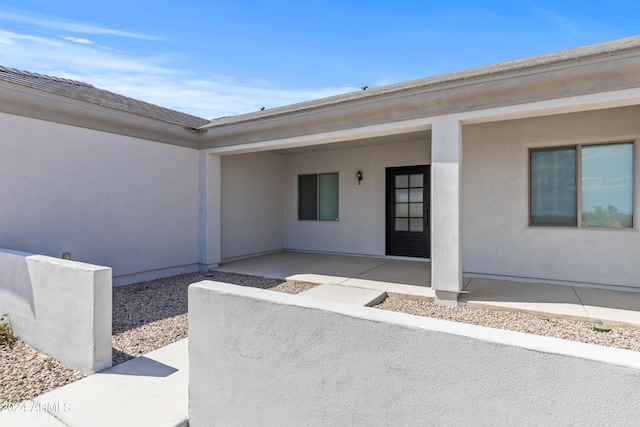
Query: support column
[
  {"x": 446, "y": 170},
  {"x": 210, "y": 191}
]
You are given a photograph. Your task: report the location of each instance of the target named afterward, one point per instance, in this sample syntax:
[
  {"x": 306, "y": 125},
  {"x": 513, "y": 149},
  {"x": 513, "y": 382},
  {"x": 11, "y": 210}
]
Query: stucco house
[{"x": 524, "y": 170}]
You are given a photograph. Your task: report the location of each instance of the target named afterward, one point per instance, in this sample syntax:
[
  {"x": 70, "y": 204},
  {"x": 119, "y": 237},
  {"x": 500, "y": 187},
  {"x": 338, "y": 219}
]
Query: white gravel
[
  {"x": 582, "y": 331},
  {"x": 150, "y": 315},
  {"x": 25, "y": 373}
]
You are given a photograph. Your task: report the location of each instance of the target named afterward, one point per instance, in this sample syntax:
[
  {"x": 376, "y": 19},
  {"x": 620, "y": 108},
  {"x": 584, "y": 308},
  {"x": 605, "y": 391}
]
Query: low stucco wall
[
  {"x": 258, "y": 357},
  {"x": 60, "y": 307}
]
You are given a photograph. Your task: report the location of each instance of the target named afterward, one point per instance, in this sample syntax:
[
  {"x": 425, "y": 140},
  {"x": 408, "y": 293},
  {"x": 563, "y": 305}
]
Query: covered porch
[
  {"x": 474, "y": 135},
  {"x": 412, "y": 277}
]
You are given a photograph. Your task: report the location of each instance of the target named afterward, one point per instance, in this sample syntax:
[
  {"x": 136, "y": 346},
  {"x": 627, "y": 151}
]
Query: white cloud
[
  {"x": 54, "y": 22},
  {"x": 77, "y": 40},
  {"x": 48, "y": 55},
  {"x": 152, "y": 79},
  {"x": 9, "y": 38},
  {"x": 206, "y": 99}
]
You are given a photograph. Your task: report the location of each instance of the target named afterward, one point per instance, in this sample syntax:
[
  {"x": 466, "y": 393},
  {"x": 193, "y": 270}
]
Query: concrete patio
[{"x": 412, "y": 277}]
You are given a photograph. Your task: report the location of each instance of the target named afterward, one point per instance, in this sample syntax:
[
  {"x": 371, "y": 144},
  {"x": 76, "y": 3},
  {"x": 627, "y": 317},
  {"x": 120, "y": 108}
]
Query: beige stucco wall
[
  {"x": 496, "y": 237},
  {"x": 252, "y": 201},
  {"x": 259, "y": 199},
  {"x": 127, "y": 203},
  {"x": 361, "y": 225},
  {"x": 258, "y": 357}
]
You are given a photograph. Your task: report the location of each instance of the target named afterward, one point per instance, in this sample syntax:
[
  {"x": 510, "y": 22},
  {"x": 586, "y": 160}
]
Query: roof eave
[
  {"x": 38, "y": 104},
  {"x": 517, "y": 82},
  {"x": 470, "y": 76}
]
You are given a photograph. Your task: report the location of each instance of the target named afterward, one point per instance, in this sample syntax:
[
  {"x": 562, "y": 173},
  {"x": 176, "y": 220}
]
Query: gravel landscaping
[
  {"x": 25, "y": 373},
  {"x": 146, "y": 316},
  {"x": 582, "y": 331},
  {"x": 150, "y": 315}
]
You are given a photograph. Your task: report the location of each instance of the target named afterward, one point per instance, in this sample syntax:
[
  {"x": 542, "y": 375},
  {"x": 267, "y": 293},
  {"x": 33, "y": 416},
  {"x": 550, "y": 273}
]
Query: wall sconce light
[
  {"x": 359, "y": 176},
  {"x": 66, "y": 255}
]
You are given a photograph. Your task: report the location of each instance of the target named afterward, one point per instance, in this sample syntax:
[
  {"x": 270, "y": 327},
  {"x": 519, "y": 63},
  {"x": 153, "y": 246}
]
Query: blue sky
[{"x": 217, "y": 58}]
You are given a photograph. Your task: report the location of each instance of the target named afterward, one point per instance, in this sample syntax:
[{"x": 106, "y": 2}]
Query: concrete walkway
[
  {"x": 570, "y": 302},
  {"x": 409, "y": 277},
  {"x": 346, "y": 294},
  {"x": 150, "y": 390}
]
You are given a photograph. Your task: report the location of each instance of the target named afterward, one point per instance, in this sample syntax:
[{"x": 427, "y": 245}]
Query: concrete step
[{"x": 346, "y": 294}]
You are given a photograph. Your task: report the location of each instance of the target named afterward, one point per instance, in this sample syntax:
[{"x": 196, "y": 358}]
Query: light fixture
[
  {"x": 66, "y": 255},
  {"x": 359, "y": 176}
]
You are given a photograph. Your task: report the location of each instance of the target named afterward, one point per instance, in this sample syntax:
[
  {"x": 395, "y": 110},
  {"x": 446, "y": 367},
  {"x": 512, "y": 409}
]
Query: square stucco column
[
  {"x": 210, "y": 196},
  {"x": 446, "y": 168}
]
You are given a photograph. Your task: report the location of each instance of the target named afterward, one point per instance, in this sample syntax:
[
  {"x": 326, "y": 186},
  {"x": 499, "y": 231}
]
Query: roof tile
[{"x": 89, "y": 93}]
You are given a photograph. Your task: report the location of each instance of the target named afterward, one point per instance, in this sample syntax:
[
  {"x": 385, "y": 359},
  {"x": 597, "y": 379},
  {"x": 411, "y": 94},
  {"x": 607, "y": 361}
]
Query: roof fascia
[
  {"x": 33, "y": 103},
  {"x": 613, "y": 71}
]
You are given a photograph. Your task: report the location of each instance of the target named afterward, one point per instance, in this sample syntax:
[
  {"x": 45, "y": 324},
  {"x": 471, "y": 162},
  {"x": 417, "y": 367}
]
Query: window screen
[
  {"x": 308, "y": 197},
  {"x": 553, "y": 187}
]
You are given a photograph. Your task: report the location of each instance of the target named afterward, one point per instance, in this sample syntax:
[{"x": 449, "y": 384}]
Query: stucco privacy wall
[
  {"x": 113, "y": 200},
  {"x": 61, "y": 307},
  {"x": 252, "y": 201},
  {"x": 360, "y": 228},
  {"x": 258, "y": 357},
  {"x": 496, "y": 238}
]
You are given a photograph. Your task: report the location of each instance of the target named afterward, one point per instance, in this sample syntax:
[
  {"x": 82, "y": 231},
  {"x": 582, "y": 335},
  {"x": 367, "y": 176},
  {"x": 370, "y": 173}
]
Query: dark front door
[{"x": 408, "y": 211}]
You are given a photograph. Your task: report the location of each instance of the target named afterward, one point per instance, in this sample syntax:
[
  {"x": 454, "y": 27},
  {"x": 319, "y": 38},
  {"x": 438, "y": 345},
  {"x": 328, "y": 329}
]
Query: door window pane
[
  {"x": 402, "y": 210},
  {"x": 409, "y": 206},
  {"x": 402, "y": 181},
  {"x": 402, "y": 224},
  {"x": 416, "y": 224},
  {"x": 553, "y": 187},
  {"x": 607, "y": 185},
  {"x": 402, "y": 196},
  {"x": 415, "y": 210},
  {"x": 416, "y": 180},
  {"x": 415, "y": 195}
]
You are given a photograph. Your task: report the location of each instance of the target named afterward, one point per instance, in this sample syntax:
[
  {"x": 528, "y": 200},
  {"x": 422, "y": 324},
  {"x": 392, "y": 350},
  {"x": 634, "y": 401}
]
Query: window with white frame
[
  {"x": 585, "y": 185},
  {"x": 318, "y": 197}
]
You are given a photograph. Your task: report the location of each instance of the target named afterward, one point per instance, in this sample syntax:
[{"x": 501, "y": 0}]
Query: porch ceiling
[{"x": 359, "y": 143}]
